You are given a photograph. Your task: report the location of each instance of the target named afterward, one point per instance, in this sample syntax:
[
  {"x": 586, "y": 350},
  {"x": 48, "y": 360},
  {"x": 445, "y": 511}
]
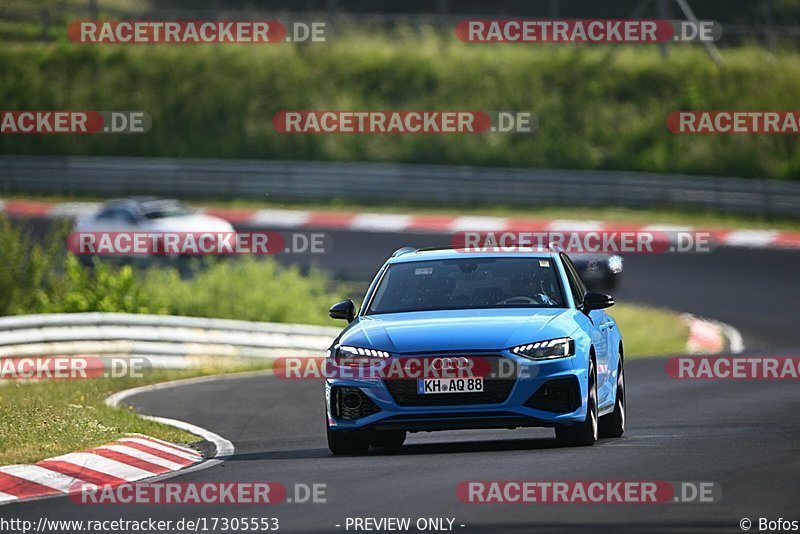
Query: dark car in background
[{"x": 599, "y": 271}]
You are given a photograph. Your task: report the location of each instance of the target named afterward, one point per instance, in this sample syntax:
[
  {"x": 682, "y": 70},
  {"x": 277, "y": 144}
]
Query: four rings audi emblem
[{"x": 451, "y": 364}]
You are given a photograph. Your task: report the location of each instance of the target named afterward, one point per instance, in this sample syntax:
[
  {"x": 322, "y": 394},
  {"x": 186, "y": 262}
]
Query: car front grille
[{"x": 495, "y": 390}]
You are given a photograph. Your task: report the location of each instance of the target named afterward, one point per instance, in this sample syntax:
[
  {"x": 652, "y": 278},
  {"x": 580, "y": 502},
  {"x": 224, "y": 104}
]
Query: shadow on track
[{"x": 411, "y": 449}]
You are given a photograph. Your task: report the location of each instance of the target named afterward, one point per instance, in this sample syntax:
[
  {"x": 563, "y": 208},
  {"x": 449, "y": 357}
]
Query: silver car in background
[{"x": 148, "y": 214}]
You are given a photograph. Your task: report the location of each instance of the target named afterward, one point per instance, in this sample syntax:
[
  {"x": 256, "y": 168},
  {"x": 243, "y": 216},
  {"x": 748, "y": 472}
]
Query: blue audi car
[{"x": 498, "y": 340}]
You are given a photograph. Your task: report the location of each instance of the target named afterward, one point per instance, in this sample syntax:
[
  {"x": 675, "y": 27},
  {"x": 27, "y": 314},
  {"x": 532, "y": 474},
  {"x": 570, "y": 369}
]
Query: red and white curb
[
  {"x": 707, "y": 336},
  {"x": 402, "y": 223},
  {"x": 131, "y": 458}
]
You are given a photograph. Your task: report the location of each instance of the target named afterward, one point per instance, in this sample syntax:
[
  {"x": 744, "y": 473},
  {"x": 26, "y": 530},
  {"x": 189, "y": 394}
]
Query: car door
[{"x": 599, "y": 331}]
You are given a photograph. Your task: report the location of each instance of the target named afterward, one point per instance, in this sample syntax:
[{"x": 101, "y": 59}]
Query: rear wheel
[
  {"x": 613, "y": 424},
  {"x": 585, "y": 432}
]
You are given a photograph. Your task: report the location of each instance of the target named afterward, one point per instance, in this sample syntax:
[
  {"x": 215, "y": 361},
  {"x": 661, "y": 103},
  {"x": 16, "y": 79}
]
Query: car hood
[{"x": 455, "y": 330}]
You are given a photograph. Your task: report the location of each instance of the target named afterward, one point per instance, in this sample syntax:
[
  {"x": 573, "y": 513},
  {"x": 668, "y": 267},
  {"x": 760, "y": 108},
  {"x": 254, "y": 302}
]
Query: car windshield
[
  {"x": 468, "y": 283},
  {"x": 158, "y": 209}
]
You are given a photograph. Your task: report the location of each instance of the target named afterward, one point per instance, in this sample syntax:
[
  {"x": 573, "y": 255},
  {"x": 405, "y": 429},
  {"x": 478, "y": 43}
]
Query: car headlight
[
  {"x": 545, "y": 350},
  {"x": 355, "y": 356}
]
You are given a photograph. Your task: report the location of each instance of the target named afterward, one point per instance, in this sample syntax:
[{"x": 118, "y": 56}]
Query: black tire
[
  {"x": 584, "y": 433},
  {"x": 347, "y": 443},
  {"x": 388, "y": 438},
  {"x": 613, "y": 424}
]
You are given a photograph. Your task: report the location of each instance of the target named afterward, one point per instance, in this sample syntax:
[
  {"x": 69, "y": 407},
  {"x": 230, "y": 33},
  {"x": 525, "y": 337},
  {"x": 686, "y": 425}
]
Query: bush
[
  {"x": 41, "y": 277},
  {"x": 27, "y": 277},
  {"x": 245, "y": 288}
]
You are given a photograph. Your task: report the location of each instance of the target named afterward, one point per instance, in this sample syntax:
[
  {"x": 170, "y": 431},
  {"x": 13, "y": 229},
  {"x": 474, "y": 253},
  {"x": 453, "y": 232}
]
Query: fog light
[{"x": 352, "y": 400}]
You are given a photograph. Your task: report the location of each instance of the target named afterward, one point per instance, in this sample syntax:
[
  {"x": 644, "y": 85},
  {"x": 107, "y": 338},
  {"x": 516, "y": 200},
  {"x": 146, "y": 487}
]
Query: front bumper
[{"x": 544, "y": 393}]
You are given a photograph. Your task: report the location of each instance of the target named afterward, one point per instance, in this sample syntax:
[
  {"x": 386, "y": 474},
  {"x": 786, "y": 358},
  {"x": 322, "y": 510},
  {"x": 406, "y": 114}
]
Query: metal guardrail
[
  {"x": 165, "y": 340},
  {"x": 375, "y": 182}
]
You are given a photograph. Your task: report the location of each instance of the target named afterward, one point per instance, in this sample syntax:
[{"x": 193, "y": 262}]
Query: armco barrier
[
  {"x": 165, "y": 340},
  {"x": 374, "y": 182}
]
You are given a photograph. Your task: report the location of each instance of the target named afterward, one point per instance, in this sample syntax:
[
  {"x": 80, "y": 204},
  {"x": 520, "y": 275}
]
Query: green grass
[
  {"x": 599, "y": 107},
  {"x": 648, "y": 331},
  {"x": 43, "y": 419}
]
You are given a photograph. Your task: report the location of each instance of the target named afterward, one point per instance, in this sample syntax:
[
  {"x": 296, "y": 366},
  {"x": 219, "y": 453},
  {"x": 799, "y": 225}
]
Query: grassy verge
[
  {"x": 599, "y": 107},
  {"x": 44, "y": 419},
  {"x": 648, "y": 331}
]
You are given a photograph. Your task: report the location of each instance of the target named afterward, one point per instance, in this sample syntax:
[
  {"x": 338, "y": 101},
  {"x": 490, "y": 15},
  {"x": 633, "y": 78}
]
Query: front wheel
[
  {"x": 613, "y": 424},
  {"x": 347, "y": 443},
  {"x": 585, "y": 432}
]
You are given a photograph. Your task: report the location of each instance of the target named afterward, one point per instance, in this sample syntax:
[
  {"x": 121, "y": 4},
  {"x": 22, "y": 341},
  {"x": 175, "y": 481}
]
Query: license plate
[{"x": 429, "y": 386}]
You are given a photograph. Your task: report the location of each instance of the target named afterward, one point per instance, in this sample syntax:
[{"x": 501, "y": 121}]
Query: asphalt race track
[{"x": 745, "y": 435}]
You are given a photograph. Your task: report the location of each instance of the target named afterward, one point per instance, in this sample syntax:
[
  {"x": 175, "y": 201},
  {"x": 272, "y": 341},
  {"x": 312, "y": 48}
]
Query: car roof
[
  {"x": 141, "y": 202},
  {"x": 409, "y": 254}
]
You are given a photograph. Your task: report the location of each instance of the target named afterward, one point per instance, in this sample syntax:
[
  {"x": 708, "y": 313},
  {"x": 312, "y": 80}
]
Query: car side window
[
  {"x": 575, "y": 282},
  {"x": 117, "y": 215},
  {"x": 105, "y": 215}
]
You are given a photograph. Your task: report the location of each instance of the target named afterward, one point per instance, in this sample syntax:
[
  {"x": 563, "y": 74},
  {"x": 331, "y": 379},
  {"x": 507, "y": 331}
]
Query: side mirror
[
  {"x": 596, "y": 301},
  {"x": 345, "y": 309}
]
